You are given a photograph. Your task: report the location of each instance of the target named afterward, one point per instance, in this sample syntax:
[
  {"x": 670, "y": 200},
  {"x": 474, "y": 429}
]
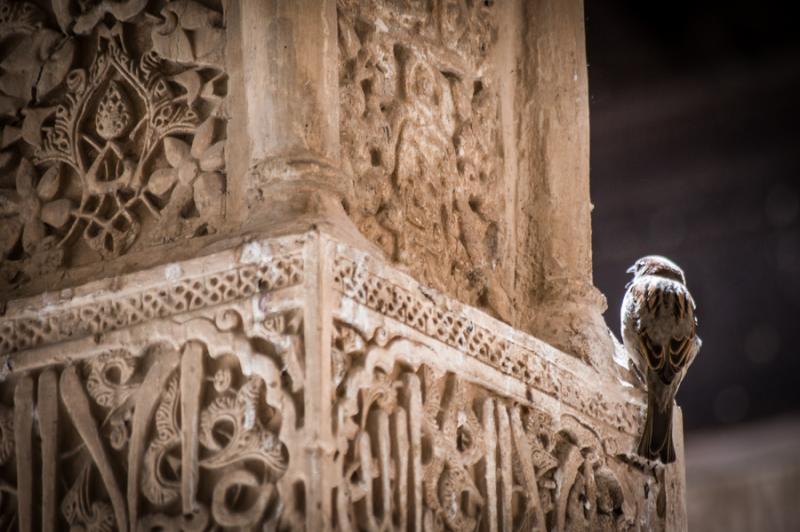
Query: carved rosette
[
  {"x": 202, "y": 409},
  {"x": 100, "y": 147}
]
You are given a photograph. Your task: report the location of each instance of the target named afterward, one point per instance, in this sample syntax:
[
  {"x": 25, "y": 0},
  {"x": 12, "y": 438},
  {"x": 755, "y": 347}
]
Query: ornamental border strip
[
  {"x": 112, "y": 312},
  {"x": 460, "y": 332}
]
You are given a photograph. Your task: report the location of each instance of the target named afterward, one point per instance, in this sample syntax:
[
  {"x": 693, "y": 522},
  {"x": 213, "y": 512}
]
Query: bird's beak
[{"x": 631, "y": 270}]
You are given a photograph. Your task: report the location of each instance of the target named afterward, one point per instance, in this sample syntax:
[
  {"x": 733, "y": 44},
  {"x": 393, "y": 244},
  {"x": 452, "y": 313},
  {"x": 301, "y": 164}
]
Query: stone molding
[
  {"x": 352, "y": 370},
  {"x": 270, "y": 265}
]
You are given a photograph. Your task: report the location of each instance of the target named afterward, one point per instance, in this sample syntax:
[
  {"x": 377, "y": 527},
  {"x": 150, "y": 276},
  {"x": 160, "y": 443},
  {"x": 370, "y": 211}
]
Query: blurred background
[{"x": 695, "y": 116}]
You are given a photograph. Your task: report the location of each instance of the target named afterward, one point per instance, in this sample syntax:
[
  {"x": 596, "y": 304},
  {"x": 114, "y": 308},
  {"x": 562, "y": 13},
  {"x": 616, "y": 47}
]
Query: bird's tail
[{"x": 656, "y": 439}]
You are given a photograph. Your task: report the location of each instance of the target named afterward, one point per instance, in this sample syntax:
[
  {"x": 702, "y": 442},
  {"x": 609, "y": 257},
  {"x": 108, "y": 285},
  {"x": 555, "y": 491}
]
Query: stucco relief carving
[
  {"x": 354, "y": 278},
  {"x": 100, "y": 147},
  {"x": 193, "y": 410},
  {"x": 103, "y": 314},
  {"x": 421, "y": 135},
  {"x": 176, "y": 435},
  {"x": 421, "y": 447}
]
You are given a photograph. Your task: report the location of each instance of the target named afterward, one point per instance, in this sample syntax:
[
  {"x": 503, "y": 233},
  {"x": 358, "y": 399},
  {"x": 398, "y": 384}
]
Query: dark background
[{"x": 695, "y": 116}]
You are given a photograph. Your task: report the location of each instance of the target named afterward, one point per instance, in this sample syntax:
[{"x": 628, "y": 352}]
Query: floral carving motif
[
  {"x": 248, "y": 438},
  {"x": 356, "y": 281},
  {"x": 421, "y": 133},
  {"x": 200, "y": 442},
  {"x": 195, "y": 173},
  {"x": 81, "y": 512},
  {"x": 422, "y": 448},
  {"x": 108, "y": 379},
  {"x": 29, "y": 208},
  {"x": 196, "y": 414},
  {"x": 108, "y": 139}
]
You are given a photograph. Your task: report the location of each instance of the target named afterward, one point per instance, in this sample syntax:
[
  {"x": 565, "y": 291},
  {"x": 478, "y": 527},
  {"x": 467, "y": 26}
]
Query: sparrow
[{"x": 659, "y": 331}]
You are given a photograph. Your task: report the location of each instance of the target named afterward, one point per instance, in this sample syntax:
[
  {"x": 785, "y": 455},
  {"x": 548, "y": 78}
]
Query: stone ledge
[
  {"x": 266, "y": 265},
  {"x": 360, "y": 369}
]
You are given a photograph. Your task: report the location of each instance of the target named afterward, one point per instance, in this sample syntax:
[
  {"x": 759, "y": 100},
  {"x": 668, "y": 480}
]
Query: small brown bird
[{"x": 659, "y": 330}]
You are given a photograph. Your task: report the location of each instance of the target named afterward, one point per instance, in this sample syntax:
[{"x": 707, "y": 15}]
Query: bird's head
[{"x": 657, "y": 265}]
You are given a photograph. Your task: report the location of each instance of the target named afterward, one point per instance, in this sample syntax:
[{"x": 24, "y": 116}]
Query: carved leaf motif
[
  {"x": 48, "y": 184},
  {"x": 79, "y": 510},
  {"x": 203, "y": 138},
  {"x": 121, "y": 10},
  {"x": 213, "y": 158},
  {"x": 24, "y": 178},
  {"x": 56, "y": 213},
  {"x": 176, "y": 150},
  {"x": 9, "y": 203},
  {"x": 192, "y": 83},
  {"x": 32, "y": 234},
  {"x": 161, "y": 181},
  {"x": 58, "y": 56},
  {"x": 158, "y": 488},
  {"x": 9, "y": 235},
  {"x": 208, "y": 188},
  {"x": 36, "y": 65},
  {"x": 191, "y": 33},
  {"x": 166, "y": 413},
  {"x": 248, "y": 438},
  {"x": 32, "y": 124}
]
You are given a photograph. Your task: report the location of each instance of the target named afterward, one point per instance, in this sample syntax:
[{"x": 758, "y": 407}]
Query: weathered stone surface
[
  {"x": 299, "y": 370},
  {"x": 275, "y": 265},
  {"x": 100, "y": 148}
]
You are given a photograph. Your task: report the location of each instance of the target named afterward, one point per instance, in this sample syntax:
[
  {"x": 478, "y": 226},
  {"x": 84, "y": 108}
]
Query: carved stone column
[
  {"x": 566, "y": 309},
  {"x": 285, "y": 117},
  {"x": 276, "y": 265}
]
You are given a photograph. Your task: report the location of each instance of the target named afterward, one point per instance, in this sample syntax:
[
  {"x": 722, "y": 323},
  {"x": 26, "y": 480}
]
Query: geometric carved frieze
[
  {"x": 414, "y": 306},
  {"x": 103, "y": 314},
  {"x": 313, "y": 386}
]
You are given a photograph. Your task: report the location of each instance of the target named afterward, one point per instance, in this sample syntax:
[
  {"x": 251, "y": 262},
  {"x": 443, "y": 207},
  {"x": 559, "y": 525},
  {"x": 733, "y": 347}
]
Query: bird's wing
[{"x": 666, "y": 326}]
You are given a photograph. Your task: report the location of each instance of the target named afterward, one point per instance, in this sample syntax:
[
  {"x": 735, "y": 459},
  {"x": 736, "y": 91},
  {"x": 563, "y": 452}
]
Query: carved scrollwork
[
  {"x": 424, "y": 448},
  {"x": 81, "y": 512},
  {"x": 421, "y": 312},
  {"x": 248, "y": 438},
  {"x": 102, "y": 152},
  {"x": 108, "y": 378},
  {"x": 198, "y": 441},
  {"x": 160, "y": 473}
]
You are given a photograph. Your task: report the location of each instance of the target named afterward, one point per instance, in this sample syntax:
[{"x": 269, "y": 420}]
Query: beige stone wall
[
  {"x": 464, "y": 127},
  {"x": 422, "y": 137},
  {"x": 463, "y": 154},
  {"x": 277, "y": 264}
]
